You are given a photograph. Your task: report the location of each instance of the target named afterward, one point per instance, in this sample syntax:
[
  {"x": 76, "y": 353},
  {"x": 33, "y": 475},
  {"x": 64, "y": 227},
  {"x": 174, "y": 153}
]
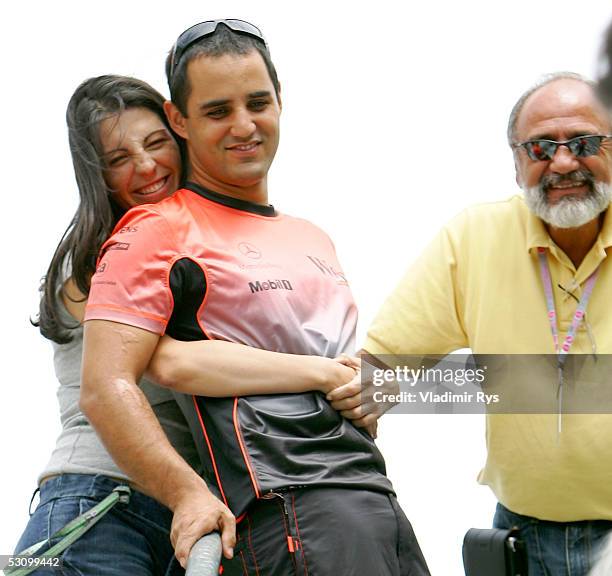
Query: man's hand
[
  {"x": 351, "y": 401},
  {"x": 350, "y": 361},
  {"x": 196, "y": 514},
  {"x": 354, "y": 400},
  {"x": 352, "y": 404},
  {"x": 349, "y": 390}
]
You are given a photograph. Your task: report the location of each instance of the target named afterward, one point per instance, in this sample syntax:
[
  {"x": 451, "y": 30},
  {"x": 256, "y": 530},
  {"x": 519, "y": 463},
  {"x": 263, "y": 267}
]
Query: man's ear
[
  {"x": 517, "y": 172},
  {"x": 278, "y": 97},
  {"x": 175, "y": 119}
]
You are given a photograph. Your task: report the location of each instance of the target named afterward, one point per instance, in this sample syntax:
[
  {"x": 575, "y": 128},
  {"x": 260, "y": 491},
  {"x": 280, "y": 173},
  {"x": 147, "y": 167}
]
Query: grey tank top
[{"x": 78, "y": 449}]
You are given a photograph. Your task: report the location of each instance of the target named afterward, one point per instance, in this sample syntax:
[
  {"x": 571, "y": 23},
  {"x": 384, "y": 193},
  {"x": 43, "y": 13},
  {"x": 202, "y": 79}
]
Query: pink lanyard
[
  {"x": 552, "y": 314},
  {"x": 552, "y": 318}
]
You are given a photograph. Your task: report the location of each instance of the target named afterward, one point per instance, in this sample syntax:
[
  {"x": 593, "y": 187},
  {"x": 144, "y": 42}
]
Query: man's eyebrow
[
  {"x": 541, "y": 136},
  {"x": 260, "y": 94},
  {"x": 224, "y": 101},
  {"x": 213, "y": 103},
  {"x": 573, "y": 133}
]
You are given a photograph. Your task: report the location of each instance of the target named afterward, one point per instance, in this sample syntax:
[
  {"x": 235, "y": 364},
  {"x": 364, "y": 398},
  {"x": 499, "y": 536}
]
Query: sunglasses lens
[
  {"x": 194, "y": 33},
  {"x": 584, "y": 145},
  {"x": 243, "y": 26},
  {"x": 541, "y": 149}
]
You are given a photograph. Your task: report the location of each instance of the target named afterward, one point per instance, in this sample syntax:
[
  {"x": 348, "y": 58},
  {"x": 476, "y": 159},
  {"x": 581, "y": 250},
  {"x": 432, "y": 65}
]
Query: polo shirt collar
[
  {"x": 537, "y": 235},
  {"x": 605, "y": 234}
]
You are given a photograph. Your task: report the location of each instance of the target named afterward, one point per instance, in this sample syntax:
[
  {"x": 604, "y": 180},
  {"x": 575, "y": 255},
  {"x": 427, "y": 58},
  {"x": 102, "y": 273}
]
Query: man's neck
[{"x": 576, "y": 242}]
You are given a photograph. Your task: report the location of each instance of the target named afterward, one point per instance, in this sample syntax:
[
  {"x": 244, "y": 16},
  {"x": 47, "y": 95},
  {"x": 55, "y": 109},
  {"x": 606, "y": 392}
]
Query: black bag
[{"x": 493, "y": 552}]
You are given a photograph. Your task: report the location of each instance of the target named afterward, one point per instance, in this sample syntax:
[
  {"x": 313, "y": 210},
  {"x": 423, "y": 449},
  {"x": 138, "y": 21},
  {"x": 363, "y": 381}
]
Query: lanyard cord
[
  {"x": 70, "y": 532},
  {"x": 563, "y": 350}
]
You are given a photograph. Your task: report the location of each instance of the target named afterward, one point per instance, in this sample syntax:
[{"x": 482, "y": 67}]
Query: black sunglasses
[
  {"x": 207, "y": 28},
  {"x": 581, "y": 146}
]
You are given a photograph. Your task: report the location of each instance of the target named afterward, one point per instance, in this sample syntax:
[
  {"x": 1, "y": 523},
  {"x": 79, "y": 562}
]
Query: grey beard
[{"x": 569, "y": 212}]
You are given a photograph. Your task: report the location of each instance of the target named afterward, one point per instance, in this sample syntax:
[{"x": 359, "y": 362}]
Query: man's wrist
[{"x": 180, "y": 486}]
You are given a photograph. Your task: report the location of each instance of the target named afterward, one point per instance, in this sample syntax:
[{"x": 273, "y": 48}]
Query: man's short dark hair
[{"x": 223, "y": 41}]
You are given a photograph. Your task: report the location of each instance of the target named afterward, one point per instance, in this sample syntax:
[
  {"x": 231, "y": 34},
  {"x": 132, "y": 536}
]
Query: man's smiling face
[{"x": 567, "y": 190}]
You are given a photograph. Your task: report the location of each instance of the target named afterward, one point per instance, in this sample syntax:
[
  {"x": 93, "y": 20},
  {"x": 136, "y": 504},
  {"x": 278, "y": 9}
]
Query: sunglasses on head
[
  {"x": 207, "y": 28},
  {"x": 580, "y": 146}
]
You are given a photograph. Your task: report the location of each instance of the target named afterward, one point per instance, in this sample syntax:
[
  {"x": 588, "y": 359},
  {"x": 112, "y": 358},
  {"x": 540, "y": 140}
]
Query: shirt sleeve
[
  {"x": 131, "y": 284},
  {"x": 423, "y": 314}
]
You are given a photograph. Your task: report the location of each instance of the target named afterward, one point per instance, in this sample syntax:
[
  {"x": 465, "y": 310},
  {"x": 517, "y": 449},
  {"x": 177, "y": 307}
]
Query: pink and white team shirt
[{"x": 204, "y": 266}]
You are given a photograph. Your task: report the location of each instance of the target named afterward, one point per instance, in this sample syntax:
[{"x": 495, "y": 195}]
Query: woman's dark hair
[{"x": 93, "y": 101}]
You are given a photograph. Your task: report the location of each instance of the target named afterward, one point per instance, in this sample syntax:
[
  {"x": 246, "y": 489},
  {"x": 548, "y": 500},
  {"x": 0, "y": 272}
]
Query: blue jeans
[
  {"x": 556, "y": 548},
  {"x": 130, "y": 539}
]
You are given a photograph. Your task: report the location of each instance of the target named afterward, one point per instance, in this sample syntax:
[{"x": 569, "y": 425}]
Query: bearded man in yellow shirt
[{"x": 528, "y": 275}]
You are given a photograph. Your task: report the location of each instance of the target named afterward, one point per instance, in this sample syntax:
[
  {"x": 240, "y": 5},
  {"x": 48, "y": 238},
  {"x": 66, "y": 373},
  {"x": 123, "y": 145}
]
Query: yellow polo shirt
[{"x": 478, "y": 285}]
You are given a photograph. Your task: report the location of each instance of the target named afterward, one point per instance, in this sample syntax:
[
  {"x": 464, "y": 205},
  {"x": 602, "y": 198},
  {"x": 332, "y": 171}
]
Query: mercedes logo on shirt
[{"x": 249, "y": 250}]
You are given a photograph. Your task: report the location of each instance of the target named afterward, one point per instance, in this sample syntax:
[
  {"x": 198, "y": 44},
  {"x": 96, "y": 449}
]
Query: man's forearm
[
  {"x": 139, "y": 446},
  {"x": 128, "y": 427},
  {"x": 114, "y": 358}
]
